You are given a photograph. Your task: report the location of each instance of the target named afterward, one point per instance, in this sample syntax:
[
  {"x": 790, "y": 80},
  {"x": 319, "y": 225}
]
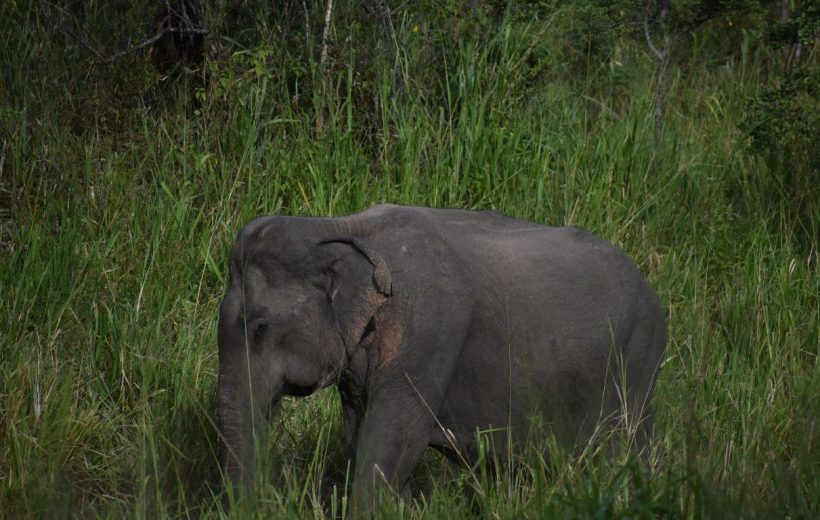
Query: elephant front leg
[
  {"x": 351, "y": 421},
  {"x": 353, "y": 400},
  {"x": 390, "y": 443}
]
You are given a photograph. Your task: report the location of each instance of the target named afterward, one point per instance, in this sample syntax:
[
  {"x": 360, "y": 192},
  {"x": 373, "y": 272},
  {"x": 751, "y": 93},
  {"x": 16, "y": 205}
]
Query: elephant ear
[{"x": 360, "y": 283}]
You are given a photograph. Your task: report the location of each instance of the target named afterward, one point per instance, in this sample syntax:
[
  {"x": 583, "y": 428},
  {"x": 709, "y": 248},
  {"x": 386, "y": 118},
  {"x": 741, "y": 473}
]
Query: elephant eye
[{"x": 257, "y": 329}]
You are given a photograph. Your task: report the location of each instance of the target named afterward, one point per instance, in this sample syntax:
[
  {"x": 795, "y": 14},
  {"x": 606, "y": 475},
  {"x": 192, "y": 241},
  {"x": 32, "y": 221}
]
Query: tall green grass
[{"x": 116, "y": 251}]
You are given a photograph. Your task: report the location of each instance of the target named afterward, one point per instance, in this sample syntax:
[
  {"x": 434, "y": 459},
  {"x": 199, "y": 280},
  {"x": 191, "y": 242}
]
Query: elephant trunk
[{"x": 243, "y": 405}]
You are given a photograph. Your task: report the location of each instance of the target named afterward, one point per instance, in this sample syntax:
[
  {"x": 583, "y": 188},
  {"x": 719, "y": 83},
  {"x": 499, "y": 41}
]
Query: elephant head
[{"x": 299, "y": 301}]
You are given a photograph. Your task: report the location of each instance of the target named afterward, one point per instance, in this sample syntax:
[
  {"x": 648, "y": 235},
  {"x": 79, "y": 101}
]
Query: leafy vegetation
[{"x": 121, "y": 194}]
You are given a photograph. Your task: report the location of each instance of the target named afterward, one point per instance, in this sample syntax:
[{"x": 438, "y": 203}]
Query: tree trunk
[{"x": 662, "y": 57}]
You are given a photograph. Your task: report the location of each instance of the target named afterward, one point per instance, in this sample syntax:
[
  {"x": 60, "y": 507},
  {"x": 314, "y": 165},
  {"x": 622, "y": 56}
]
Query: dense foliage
[{"x": 121, "y": 190}]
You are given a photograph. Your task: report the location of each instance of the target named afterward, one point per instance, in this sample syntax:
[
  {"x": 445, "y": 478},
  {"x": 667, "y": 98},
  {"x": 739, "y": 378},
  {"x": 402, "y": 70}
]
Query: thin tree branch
[
  {"x": 82, "y": 37},
  {"x": 307, "y": 29},
  {"x": 149, "y": 41},
  {"x": 655, "y": 51}
]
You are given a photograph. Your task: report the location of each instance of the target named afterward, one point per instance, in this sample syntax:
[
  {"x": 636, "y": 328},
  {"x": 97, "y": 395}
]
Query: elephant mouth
[{"x": 299, "y": 390}]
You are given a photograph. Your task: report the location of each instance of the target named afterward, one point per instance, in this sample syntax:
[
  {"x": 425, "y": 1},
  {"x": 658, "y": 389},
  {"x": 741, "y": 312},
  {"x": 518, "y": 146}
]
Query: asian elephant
[{"x": 433, "y": 323}]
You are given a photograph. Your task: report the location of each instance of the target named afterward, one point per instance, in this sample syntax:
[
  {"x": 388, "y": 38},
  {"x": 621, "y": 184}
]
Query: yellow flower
[{"x": 415, "y": 28}]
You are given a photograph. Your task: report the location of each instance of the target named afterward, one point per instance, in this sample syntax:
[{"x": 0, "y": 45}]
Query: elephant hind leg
[
  {"x": 644, "y": 433},
  {"x": 643, "y": 359}
]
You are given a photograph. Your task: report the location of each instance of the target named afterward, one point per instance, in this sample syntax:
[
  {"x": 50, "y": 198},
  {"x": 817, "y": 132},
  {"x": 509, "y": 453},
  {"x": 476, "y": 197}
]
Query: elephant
[{"x": 433, "y": 324}]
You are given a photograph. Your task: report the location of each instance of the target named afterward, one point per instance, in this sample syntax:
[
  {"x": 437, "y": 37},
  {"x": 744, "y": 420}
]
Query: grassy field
[{"x": 115, "y": 225}]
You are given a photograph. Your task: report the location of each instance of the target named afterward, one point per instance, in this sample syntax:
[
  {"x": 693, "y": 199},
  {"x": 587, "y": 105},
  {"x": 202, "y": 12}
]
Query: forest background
[{"x": 136, "y": 137}]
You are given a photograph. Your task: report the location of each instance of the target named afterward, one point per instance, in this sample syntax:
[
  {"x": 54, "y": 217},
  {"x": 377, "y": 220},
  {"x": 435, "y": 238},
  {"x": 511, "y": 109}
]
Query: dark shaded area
[{"x": 182, "y": 44}]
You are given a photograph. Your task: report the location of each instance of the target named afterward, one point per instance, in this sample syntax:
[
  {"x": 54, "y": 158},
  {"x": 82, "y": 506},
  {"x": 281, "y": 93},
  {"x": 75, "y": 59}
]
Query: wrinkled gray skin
[{"x": 431, "y": 321}]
